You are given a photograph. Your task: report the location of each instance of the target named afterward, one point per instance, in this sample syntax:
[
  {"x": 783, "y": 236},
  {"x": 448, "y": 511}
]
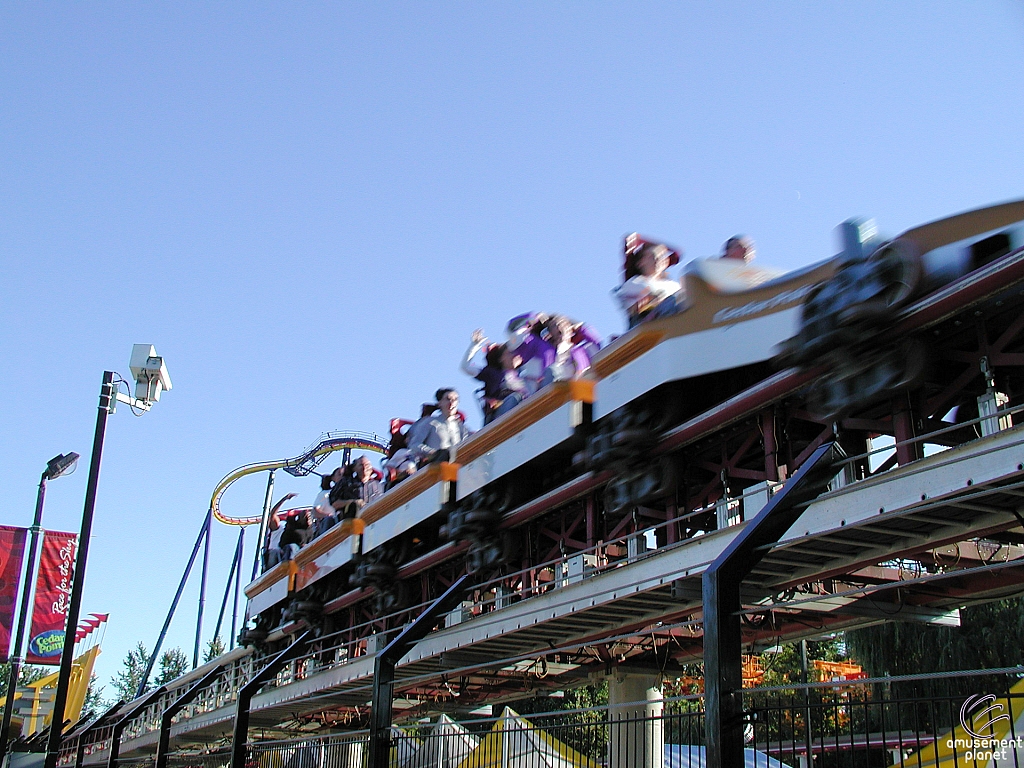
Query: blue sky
[{"x": 308, "y": 208}]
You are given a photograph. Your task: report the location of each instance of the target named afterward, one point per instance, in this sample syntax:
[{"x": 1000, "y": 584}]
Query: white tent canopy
[
  {"x": 515, "y": 743},
  {"x": 403, "y": 747},
  {"x": 687, "y": 756},
  {"x": 447, "y": 744}
]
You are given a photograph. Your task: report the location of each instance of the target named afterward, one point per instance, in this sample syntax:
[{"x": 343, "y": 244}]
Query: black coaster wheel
[{"x": 393, "y": 598}]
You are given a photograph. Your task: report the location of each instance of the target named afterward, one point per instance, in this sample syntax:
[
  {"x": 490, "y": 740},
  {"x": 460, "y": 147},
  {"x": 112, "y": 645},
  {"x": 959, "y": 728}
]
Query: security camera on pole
[{"x": 151, "y": 378}]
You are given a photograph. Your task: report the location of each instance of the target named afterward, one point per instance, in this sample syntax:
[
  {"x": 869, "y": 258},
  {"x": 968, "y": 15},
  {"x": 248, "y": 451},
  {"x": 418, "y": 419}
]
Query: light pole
[
  {"x": 60, "y": 464},
  {"x": 151, "y": 378}
]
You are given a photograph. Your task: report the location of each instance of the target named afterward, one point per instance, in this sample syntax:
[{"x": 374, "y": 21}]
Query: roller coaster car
[
  {"x": 846, "y": 323},
  {"x": 737, "y": 322}
]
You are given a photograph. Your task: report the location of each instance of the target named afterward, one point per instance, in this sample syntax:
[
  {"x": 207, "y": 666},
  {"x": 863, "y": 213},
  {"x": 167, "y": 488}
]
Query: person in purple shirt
[
  {"x": 551, "y": 348},
  {"x": 534, "y": 354},
  {"x": 569, "y": 344}
]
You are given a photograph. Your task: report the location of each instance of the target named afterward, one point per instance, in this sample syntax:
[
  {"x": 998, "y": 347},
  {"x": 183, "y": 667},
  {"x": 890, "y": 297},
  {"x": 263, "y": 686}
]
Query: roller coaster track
[
  {"x": 912, "y": 535},
  {"x": 299, "y": 466},
  {"x": 654, "y": 597}
]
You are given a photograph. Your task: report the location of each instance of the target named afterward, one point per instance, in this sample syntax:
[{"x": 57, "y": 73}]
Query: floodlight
[
  {"x": 149, "y": 372},
  {"x": 61, "y": 464}
]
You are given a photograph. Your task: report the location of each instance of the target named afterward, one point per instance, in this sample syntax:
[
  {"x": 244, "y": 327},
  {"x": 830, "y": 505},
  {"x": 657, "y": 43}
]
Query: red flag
[
  {"x": 101, "y": 617},
  {"x": 53, "y": 594},
  {"x": 12, "y": 549},
  {"x": 90, "y": 623}
]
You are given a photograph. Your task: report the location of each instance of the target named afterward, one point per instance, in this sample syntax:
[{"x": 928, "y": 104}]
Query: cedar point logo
[{"x": 980, "y": 746}]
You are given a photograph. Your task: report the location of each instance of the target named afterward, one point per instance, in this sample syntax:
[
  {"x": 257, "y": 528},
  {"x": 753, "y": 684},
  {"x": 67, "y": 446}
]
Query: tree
[
  {"x": 214, "y": 649},
  {"x": 785, "y": 665},
  {"x": 27, "y": 674},
  {"x": 988, "y": 637},
  {"x": 94, "y": 702},
  {"x": 582, "y": 727},
  {"x": 172, "y": 665},
  {"x": 126, "y": 682}
]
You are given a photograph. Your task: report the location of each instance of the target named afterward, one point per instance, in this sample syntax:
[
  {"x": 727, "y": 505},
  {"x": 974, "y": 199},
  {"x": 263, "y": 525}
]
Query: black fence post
[
  {"x": 122, "y": 723},
  {"x": 386, "y": 660},
  {"x": 723, "y": 663},
  {"x": 98, "y": 722},
  {"x": 175, "y": 707},
  {"x": 240, "y": 736}
]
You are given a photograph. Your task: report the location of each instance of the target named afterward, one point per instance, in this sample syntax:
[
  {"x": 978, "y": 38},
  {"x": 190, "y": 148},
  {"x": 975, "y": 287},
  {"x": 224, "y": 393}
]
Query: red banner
[
  {"x": 53, "y": 595},
  {"x": 12, "y": 550}
]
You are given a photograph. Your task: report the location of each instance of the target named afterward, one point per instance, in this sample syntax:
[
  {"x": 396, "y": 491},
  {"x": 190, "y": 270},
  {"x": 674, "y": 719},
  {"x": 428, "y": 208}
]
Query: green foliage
[
  {"x": 787, "y": 714},
  {"x": 214, "y": 649},
  {"x": 576, "y": 698},
  {"x": 26, "y": 675},
  {"x": 94, "y": 702},
  {"x": 172, "y": 665},
  {"x": 582, "y": 726},
  {"x": 126, "y": 682},
  {"x": 785, "y": 666},
  {"x": 587, "y": 697},
  {"x": 989, "y": 637}
]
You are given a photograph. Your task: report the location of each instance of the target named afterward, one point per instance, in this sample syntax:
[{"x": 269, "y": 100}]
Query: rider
[
  {"x": 739, "y": 247},
  {"x": 648, "y": 291},
  {"x": 433, "y": 437}
]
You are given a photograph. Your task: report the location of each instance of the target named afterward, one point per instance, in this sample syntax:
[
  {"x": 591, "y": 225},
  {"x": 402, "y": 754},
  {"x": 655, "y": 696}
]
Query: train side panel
[
  {"x": 415, "y": 511},
  {"x": 537, "y": 438}
]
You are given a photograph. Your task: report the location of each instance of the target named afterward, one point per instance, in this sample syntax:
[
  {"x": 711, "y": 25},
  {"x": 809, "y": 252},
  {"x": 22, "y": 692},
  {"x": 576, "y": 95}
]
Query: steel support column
[
  {"x": 60, "y": 696},
  {"x": 204, "y": 534},
  {"x": 97, "y": 723},
  {"x": 202, "y": 592},
  {"x": 236, "y": 566},
  {"x": 238, "y": 588},
  {"x": 241, "y": 733},
  {"x": 261, "y": 536},
  {"x": 591, "y": 510},
  {"x": 771, "y": 446},
  {"x": 18, "y": 635},
  {"x": 175, "y": 707},
  {"x": 385, "y": 662},
  {"x": 723, "y": 666},
  {"x": 903, "y": 430},
  {"x": 122, "y": 723}
]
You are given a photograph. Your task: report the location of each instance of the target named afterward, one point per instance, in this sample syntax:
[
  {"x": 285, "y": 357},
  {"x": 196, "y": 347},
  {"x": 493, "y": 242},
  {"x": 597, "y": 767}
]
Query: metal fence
[
  {"x": 335, "y": 751},
  {"x": 919, "y": 720},
  {"x": 953, "y": 720}
]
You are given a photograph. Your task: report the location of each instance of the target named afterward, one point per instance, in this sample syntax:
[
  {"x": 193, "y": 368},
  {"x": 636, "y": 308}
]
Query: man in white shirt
[
  {"x": 433, "y": 437},
  {"x": 739, "y": 247}
]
